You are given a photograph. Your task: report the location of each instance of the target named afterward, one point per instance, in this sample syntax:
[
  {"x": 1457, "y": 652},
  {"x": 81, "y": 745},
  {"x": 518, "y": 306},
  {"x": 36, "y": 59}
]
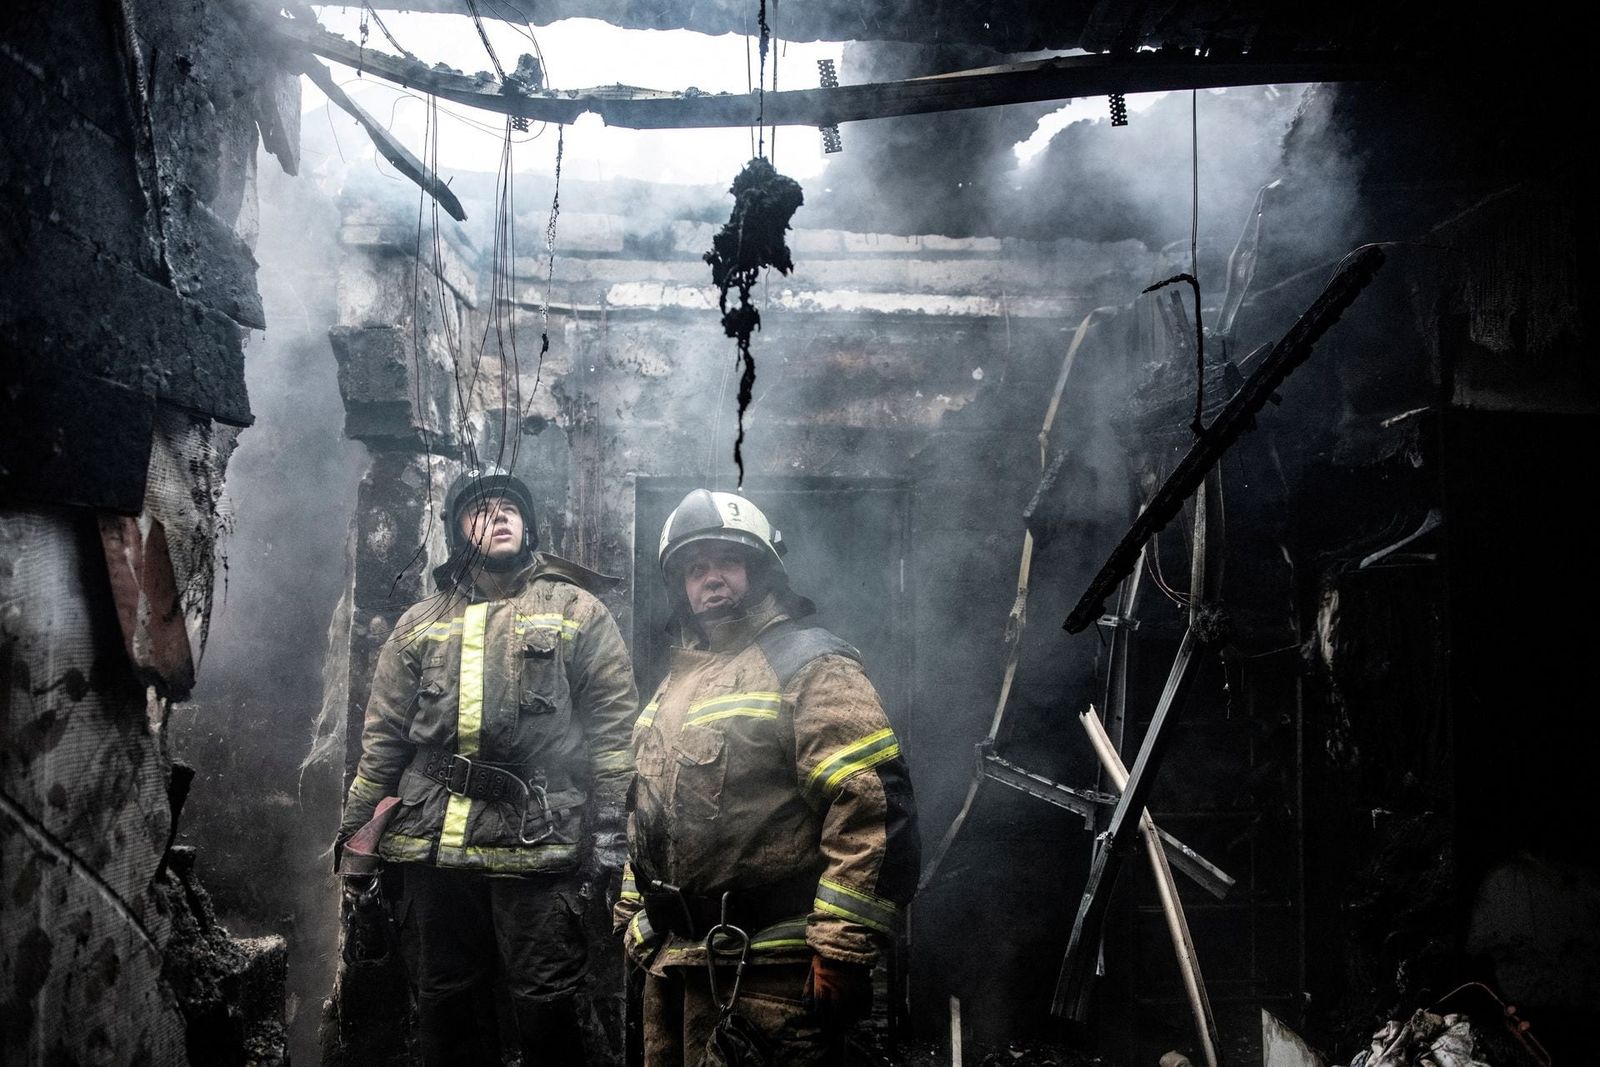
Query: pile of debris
[{"x": 1424, "y": 1040}]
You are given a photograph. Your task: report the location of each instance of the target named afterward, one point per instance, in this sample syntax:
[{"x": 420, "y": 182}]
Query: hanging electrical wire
[
  {"x": 483, "y": 35},
  {"x": 378, "y": 20},
  {"x": 761, "y": 79},
  {"x": 550, "y": 265}
]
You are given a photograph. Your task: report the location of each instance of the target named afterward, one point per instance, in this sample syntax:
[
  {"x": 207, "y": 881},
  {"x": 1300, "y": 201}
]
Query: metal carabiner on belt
[
  {"x": 742, "y": 940},
  {"x": 534, "y": 793}
]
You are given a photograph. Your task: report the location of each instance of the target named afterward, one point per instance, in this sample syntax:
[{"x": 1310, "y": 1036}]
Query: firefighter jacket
[
  {"x": 535, "y": 681},
  {"x": 764, "y": 761}
]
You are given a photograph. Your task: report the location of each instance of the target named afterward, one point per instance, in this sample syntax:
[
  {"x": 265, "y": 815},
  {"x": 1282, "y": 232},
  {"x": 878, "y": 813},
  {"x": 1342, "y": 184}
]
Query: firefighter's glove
[{"x": 838, "y": 993}]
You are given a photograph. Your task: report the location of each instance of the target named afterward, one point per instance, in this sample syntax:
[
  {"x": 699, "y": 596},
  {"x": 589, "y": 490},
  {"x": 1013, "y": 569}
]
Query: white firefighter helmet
[{"x": 704, "y": 515}]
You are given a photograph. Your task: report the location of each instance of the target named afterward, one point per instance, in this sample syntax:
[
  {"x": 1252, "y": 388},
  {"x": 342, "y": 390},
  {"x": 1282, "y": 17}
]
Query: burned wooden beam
[
  {"x": 1012, "y": 83},
  {"x": 1236, "y": 417},
  {"x": 1089, "y": 804},
  {"x": 396, "y": 153},
  {"x": 1077, "y": 968},
  {"x": 1167, "y": 890}
]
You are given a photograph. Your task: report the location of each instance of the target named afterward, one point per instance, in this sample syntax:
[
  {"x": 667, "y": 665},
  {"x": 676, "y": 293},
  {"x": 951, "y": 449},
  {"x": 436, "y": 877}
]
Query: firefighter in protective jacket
[
  {"x": 499, "y": 715},
  {"x": 771, "y": 801}
]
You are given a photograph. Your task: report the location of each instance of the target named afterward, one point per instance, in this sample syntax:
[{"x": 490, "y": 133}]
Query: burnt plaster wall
[
  {"x": 267, "y": 778},
  {"x": 127, "y": 212}
]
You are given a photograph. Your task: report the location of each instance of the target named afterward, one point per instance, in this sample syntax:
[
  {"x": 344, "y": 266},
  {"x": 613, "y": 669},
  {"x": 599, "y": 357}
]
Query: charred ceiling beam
[
  {"x": 1236, "y": 417},
  {"x": 1012, "y": 83},
  {"x": 396, "y": 153}
]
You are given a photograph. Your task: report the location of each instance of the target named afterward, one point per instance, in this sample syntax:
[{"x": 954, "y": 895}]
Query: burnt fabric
[
  {"x": 680, "y": 1018},
  {"x": 761, "y": 767},
  {"x": 461, "y": 928},
  {"x": 536, "y": 681}
]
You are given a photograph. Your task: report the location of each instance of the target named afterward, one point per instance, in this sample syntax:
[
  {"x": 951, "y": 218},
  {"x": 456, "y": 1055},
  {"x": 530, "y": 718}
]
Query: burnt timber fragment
[
  {"x": 1292, "y": 349},
  {"x": 396, "y": 153},
  {"x": 1075, "y": 983}
]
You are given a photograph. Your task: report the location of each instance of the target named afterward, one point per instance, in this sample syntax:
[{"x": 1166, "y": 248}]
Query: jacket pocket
[
  {"x": 702, "y": 757},
  {"x": 540, "y": 670},
  {"x": 650, "y": 754}
]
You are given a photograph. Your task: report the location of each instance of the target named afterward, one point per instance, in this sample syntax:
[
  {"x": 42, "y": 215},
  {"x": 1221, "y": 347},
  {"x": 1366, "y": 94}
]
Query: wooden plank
[
  {"x": 1167, "y": 889},
  {"x": 396, "y": 153},
  {"x": 1059, "y": 78},
  {"x": 1074, "y": 984}
]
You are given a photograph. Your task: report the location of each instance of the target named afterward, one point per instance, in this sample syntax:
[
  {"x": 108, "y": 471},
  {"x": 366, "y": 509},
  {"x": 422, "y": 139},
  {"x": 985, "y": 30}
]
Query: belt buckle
[{"x": 450, "y": 775}]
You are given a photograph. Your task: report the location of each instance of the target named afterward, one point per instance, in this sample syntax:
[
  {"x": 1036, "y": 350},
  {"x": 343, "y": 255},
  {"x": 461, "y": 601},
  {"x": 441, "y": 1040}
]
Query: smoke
[
  {"x": 897, "y": 451},
  {"x": 261, "y": 822}
]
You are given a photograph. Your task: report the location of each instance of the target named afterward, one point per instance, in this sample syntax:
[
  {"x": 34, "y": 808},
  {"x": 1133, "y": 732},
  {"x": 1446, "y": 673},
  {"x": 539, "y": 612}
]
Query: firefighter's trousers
[
  {"x": 679, "y": 1016},
  {"x": 462, "y": 930}
]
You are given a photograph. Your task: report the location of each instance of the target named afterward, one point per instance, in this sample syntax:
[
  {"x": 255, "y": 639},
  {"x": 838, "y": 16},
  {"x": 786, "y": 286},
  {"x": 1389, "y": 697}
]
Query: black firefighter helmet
[{"x": 475, "y": 484}]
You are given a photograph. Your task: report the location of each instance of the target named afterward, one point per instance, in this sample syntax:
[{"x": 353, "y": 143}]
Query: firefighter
[
  {"x": 499, "y": 715},
  {"x": 771, "y": 802}
]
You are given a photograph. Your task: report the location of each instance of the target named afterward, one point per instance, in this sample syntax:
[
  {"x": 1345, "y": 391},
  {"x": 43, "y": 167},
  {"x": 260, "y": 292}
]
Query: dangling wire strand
[
  {"x": 550, "y": 267},
  {"x": 761, "y": 80},
  {"x": 483, "y": 35}
]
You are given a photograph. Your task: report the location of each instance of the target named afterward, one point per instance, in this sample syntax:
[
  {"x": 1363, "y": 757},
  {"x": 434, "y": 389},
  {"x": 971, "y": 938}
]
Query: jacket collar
[{"x": 735, "y": 634}]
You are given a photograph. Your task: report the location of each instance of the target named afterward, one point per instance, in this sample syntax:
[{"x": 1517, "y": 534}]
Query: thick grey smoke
[{"x": 899, "y": 455}]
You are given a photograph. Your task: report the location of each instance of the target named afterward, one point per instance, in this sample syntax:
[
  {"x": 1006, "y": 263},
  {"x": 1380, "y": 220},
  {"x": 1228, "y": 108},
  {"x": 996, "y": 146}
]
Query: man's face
[
  {"x": 714, "y": 577},
  {"x": 494, "y": 525}
]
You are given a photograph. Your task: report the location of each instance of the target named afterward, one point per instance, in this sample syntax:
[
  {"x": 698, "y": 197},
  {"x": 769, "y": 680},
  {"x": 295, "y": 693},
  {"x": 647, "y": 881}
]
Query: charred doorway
[{"x": 848, "y": 544}]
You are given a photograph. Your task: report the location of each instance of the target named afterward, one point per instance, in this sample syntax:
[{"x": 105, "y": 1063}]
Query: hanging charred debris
[
  {"x": 750, "y": 241},
  {"x": 1309, "y": 517}
]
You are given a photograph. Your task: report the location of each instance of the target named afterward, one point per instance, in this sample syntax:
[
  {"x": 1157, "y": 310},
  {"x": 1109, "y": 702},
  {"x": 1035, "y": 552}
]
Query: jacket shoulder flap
[
  {"x": 789, "y": 648},
  {"x": 564, "y": 570}
]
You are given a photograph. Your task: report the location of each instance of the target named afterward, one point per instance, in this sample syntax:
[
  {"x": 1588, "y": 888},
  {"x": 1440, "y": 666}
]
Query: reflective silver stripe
[
  {"x": 640, "y": 928},
  {"x": 648, "y": 715},
  {"x": 856, "y": 905},
  {"x": 558, "y": 623},
  {"x": 435, "y": 631},
  {"x": 630, "y": 888}
]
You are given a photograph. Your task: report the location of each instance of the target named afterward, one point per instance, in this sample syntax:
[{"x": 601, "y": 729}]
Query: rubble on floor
[{"x": 1424, "y": 1040}]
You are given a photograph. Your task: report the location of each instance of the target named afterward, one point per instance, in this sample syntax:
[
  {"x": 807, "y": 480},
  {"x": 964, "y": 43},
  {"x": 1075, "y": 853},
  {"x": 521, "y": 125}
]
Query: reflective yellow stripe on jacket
[
  {"x": 855, "y": 905},
  {"x": 825, "y": 780},
  {"x": 735, "y": 706},
  {"x": 469, "y": 718}
]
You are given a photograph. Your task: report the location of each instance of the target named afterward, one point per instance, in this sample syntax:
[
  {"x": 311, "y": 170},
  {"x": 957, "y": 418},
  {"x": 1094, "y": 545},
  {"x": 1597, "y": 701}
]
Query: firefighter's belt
[
  {"x": 478, "y": 779},
  {"x": 512, "y": 783},
  {"x": 692, "y": 916}
]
